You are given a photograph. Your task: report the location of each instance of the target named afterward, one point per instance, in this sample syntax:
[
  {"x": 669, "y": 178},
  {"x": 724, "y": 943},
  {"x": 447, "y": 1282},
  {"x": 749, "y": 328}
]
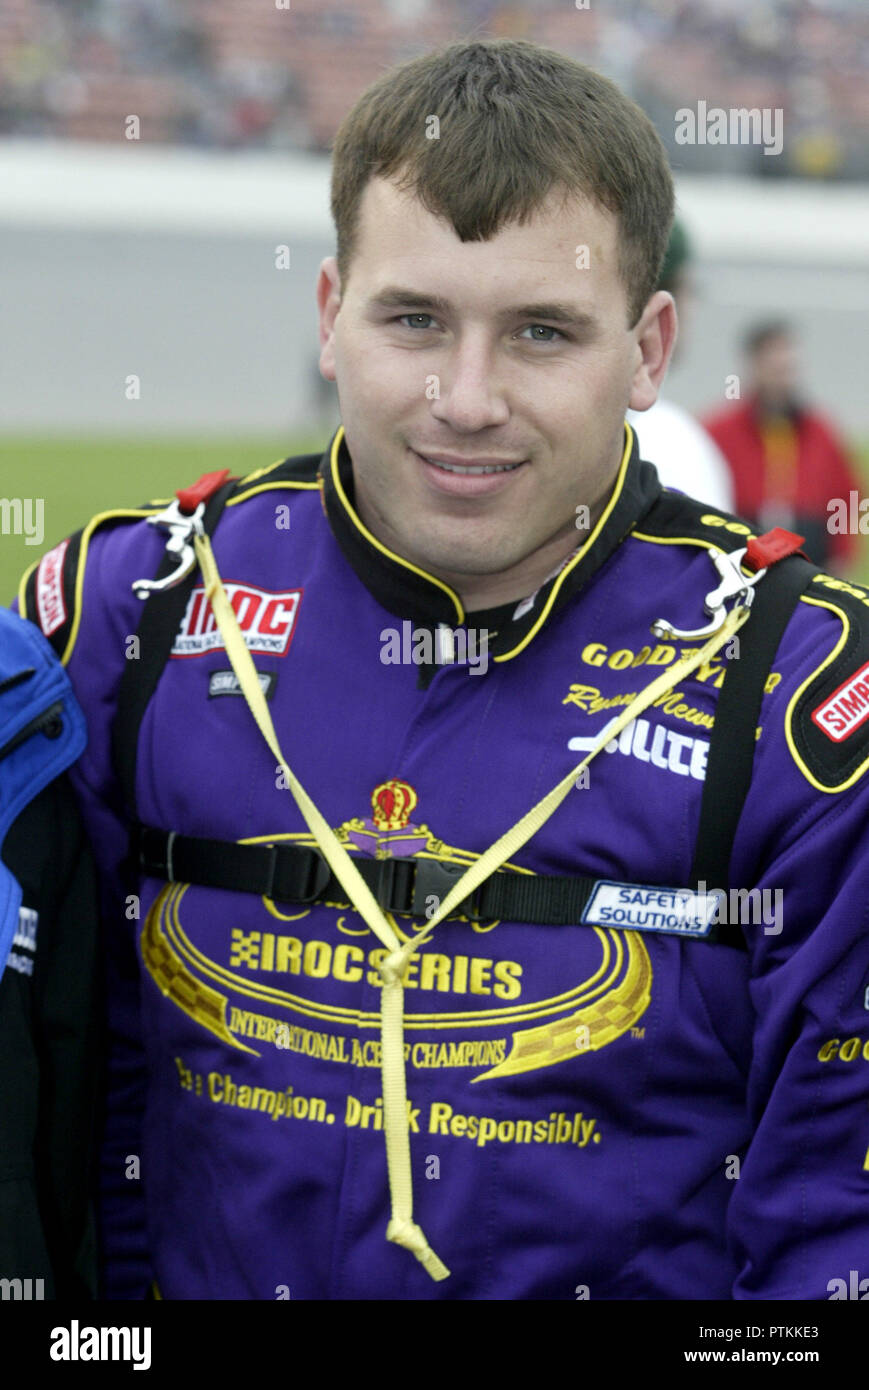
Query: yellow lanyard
[{"x": 402, "y": 1229}]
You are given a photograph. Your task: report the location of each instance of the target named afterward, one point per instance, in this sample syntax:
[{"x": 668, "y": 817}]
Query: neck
[
  {"x": 511, "y": 585},
  {"x": 478, "y": 591}
]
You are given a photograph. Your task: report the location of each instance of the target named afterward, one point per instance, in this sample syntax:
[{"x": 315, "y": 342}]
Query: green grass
[{"x": 79, "y": 477}]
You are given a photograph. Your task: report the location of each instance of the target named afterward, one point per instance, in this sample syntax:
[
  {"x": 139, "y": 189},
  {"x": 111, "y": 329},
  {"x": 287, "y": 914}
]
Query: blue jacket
[{"x": 42, "y": 732}]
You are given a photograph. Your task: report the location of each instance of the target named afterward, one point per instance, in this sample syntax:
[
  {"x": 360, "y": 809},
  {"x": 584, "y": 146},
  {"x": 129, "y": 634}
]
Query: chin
[{"x": 464, "y": 563}]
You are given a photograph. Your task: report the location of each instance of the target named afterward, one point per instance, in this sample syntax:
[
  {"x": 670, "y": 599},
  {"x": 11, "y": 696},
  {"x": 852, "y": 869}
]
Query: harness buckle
[
  {"x": 182, "y": 526},
  {"x": 434, "y": 879},
  {"x": 316, "y": 877},
  {"x": 735, "y": 583},
  {"x": 408, "y": 885}
]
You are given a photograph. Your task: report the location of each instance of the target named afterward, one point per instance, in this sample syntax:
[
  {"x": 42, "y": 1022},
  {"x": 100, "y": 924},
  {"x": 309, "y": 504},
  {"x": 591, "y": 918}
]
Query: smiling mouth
[{"x": 472, "y": 470}]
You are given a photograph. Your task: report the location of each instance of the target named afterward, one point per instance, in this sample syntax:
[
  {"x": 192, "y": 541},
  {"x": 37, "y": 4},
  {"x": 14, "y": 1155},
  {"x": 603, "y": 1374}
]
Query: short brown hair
[
  {"x": 760, "y": 335},
  {"x": 516, "y": 121}
]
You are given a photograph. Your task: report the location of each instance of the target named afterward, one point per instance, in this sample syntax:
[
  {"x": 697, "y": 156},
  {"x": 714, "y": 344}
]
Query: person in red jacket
[{"x": 787, "y": 460}]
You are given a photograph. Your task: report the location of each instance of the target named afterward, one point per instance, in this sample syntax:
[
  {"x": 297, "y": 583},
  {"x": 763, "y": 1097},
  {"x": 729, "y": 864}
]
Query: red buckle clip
[
  {"x": 190, "y": 497},
  {"x": 774, "y": 545}
]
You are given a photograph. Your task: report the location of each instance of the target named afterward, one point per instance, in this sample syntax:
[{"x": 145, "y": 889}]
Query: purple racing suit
[{"x": 610, "y": 1109}]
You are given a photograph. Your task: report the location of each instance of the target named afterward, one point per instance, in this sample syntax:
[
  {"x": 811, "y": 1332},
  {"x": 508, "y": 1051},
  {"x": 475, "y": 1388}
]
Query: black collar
[{"x": 410, "y": 592}]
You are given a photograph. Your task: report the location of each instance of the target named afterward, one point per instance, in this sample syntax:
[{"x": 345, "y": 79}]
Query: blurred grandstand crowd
[{"x": 280, "y": 74}]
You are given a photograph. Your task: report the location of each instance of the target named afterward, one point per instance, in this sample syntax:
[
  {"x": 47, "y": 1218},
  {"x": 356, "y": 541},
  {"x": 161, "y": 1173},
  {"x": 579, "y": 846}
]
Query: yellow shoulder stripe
[
  {"x": 737, "y": 528},
  {"x": 22, "y": 589},
  {"x": 670, "y": 540},
  {"x": 271, "y": 487},
  {"x": 261, "y": 472},
  {"x": 82, "y": 560}
]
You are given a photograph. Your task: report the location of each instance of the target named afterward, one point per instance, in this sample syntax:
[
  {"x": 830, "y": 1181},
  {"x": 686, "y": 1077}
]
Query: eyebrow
[{"x": 395, "y": 297}]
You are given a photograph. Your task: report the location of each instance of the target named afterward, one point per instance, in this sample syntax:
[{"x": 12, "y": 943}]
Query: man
[
  {"x": 685, "y": 456},
  {"x": 788, "y": 462},
  {"x": 419, "y": 991}
]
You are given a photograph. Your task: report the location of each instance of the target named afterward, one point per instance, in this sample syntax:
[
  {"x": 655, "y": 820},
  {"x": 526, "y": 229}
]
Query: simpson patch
[
  {"x": 827, "y": 723},
  {"x": 51, "y": 605},
  {"x": 842, "y": 714},
  {"x": 47, "y": 594}
]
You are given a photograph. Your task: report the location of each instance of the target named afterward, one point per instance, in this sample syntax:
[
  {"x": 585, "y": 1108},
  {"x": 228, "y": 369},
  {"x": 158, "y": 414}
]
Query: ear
[
  {"x": 655, "y": 337},
  {"x": 328, "y": 304}
]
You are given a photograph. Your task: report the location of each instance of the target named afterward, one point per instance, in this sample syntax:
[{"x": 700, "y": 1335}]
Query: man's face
[
  {"x": 451, "y": 357},
  {"x": 775, "y": 370}
]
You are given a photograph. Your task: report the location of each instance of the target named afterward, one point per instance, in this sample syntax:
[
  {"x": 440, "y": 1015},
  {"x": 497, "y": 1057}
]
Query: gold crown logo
[{"x": 392, "y": 803}]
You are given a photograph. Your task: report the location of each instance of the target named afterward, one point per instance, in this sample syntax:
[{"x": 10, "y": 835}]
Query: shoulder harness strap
[
  {"x": 683, "y": 520},
  {"x": 733, "y": 741},
  {"x": 161, "y": 617}
]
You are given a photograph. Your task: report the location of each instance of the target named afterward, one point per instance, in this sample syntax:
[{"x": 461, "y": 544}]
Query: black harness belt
[{"x": 300, "y": 874}]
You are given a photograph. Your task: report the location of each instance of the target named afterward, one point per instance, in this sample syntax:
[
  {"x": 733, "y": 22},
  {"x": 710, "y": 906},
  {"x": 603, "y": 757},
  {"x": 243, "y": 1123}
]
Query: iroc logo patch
[{"x": 267, "y": 620}]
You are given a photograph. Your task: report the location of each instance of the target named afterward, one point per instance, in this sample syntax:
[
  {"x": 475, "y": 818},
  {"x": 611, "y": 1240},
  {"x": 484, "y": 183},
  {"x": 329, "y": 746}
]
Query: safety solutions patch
[
  {"x": 267, "y": 620},
  {"x": 641, "y": 907}
]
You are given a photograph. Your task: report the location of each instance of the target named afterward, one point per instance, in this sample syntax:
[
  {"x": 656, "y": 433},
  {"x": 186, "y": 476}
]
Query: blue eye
[
  {"x": 546, "y": 329},
  {"x": 402, "y": 317}
]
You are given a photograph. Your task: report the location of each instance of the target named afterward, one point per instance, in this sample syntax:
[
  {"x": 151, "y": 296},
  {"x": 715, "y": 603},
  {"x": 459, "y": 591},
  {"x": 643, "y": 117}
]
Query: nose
[{"x": 469, "y": 395}]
